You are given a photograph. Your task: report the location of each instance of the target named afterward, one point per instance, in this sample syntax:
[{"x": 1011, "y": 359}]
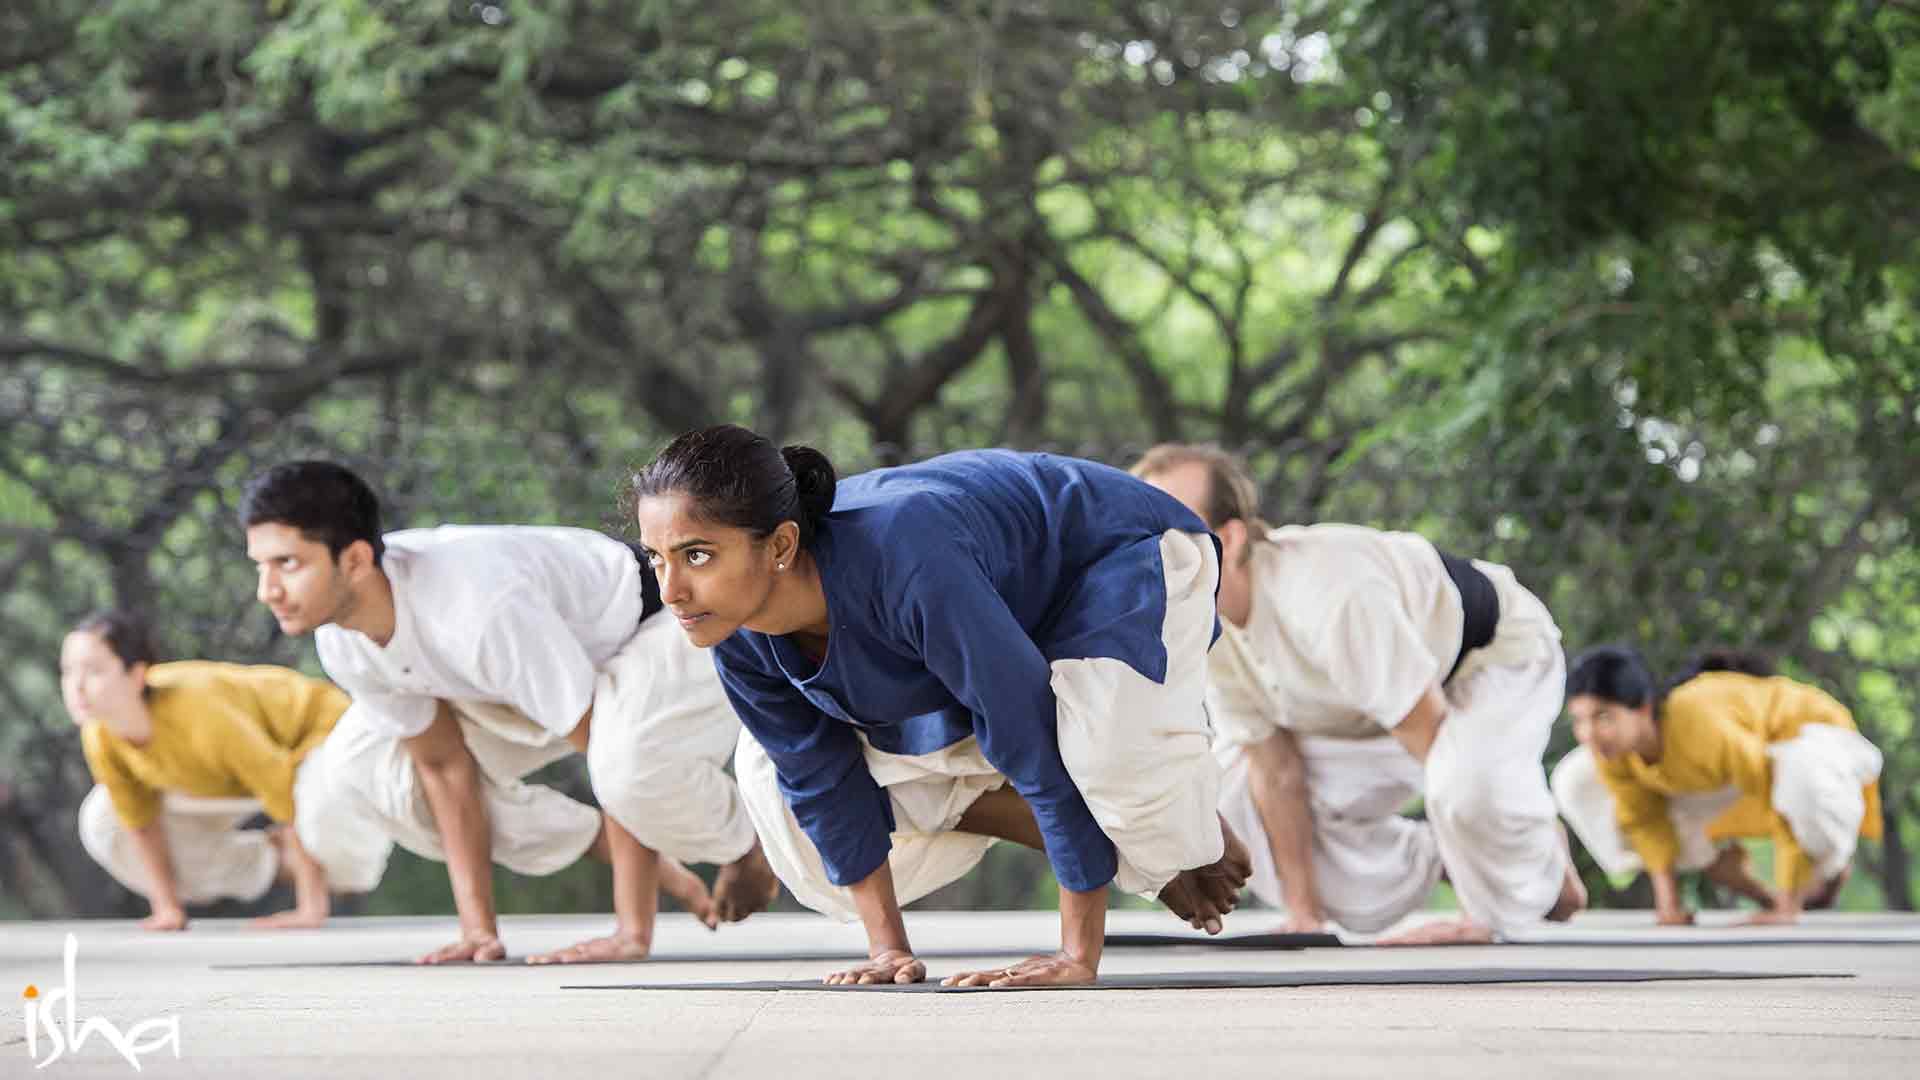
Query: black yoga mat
[
  {"x": 1245, "y": 980},
  {"x": 1225, "y": 941}
]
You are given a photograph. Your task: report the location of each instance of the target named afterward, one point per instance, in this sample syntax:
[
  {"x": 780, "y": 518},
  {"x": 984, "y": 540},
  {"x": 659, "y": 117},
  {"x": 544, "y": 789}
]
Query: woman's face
[
  {"x": 94, "y": 683},
  {"x": 714, "y": 578},
  {"x": 1608, "y": 728}
]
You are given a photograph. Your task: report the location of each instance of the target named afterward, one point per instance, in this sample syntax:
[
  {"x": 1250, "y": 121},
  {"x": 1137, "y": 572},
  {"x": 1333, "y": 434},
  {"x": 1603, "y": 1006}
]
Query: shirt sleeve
[
  {"x": 1641, "y": 813},
  {"x": 1233, "y": 707},
  {"x": 822, "y": 771},
  {"x": 136, "y": 804},
  {"x": 530, "y": 657},
  {"x": 1371, "y": 651},
  {"x": 971, "y": 642},
  {"x": 1738, "y": 756}
]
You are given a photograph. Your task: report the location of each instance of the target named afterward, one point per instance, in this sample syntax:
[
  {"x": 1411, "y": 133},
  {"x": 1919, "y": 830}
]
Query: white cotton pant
[
  {"x": 1589, "y": 809},
  {"x": 656, "y": 754},
  {"x": 1137, "y": 750},
  {"x": 1819, "y": 781},
  {"x": 215, "y": 859},
  {"x": 1486, "y": 789},
  {"x": 1372, "y": 866}
]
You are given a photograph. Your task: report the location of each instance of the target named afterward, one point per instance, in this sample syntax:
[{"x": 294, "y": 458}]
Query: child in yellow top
[
  {"x": 1784, "y": 756},
  {"x": 207, "y": 731}
]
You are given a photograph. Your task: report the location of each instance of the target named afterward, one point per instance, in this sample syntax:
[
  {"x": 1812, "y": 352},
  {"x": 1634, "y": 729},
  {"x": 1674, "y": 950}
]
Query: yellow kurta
[
  {"x": 219, "y": 731},
  {"x": 1714, "y": 731}
]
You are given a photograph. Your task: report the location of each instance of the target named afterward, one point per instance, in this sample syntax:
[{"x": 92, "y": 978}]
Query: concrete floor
[{"x": 515, "y": 1021}]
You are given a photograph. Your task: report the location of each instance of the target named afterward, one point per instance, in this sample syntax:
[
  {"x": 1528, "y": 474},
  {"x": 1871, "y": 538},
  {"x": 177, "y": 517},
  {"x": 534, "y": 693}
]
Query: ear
[
  {"x": 138, "y": 670},
  {"x": 1233, "y": 542},
  {"x": 356, "y": 558},
  {"x": 784, "y": 544}
]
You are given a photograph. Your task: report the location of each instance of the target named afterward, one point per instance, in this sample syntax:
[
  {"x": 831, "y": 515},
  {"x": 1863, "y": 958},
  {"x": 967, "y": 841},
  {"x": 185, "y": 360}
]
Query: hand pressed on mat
[
  {"x": 1083, "y": 933},
  {"x": 1444, "y": 932},
  {"x": 472, "y": 948},
  {"x": 1054, "y": 969},
  {"x": 887, "y": 967}
]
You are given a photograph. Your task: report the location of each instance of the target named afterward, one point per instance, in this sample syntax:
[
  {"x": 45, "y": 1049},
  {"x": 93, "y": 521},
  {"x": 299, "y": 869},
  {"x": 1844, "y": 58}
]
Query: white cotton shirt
[
  {"x": 514, "y": 615},
  {"x": 1349, "y": 626}
]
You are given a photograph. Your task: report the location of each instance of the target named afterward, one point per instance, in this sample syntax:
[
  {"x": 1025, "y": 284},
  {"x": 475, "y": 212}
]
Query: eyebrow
[{"x": 695, "y": 542}]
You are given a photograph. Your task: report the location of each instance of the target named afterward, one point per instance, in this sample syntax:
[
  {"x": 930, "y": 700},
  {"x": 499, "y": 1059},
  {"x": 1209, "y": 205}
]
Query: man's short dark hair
[{"x": 328, "y": 503}]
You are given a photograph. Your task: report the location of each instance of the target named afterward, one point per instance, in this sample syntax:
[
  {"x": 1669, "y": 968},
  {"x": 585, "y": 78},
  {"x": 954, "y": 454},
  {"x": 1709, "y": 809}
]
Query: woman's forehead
[{"x": 673, "y": 518}]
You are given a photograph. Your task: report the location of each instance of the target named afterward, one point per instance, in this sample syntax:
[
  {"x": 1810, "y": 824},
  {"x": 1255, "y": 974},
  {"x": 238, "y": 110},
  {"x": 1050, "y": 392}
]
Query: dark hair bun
[{"x": 813, "y": 481}]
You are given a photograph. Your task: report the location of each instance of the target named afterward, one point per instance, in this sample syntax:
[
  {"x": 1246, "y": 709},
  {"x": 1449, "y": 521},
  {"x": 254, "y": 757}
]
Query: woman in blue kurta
[{"x": 905, "y": 646}]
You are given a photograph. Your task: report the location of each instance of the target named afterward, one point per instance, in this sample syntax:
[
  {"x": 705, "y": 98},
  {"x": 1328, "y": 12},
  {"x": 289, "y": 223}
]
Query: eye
[
  {"x": 654, "y": 560},
  {"x": 699, "y": 558}
]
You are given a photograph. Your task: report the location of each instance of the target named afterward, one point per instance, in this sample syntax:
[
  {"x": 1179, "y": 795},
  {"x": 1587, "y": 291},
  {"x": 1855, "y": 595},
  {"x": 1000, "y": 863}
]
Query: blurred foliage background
[{"x": 1621, "y": 294}]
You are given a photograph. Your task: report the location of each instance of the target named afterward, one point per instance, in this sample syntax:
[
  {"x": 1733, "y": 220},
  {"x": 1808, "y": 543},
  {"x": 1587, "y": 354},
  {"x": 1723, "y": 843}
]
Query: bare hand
[
  {"x": 1055, "y": 969},
  {"x": 470, "y": 949},
  {"x": 166, "y": 918},
  {"x": 1672, "y": 917},
  {"x": 891, "y": 966},
  {"x": 297, "y": 919},
  {"x": 1780, "y": 916},
  {"x": 1445, "y": 932},
  {"x": 613, "y": 949}
]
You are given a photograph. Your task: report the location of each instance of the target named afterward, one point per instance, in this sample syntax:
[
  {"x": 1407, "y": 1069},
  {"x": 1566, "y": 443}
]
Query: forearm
[
  {"x": 1666, "y": 890},
  {"x": 636, "y": 882},
  {"x": 466, "y": 837},
  {"x": 163, "y": 889},
  {"x": 874, "y": 898},
  {"x": 1083, "y": 925},
  {"x": 1279, "y": 789}
]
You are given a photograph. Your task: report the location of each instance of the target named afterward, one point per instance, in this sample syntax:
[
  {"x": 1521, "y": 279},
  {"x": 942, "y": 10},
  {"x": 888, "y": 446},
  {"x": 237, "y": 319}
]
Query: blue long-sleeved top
[{"x": 951, "y": 587}]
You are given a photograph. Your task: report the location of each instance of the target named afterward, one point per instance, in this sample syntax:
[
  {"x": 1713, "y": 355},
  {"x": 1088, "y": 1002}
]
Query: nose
[
  {"x": 673, "y": 587},
  {"x": 269, "y": 589}
]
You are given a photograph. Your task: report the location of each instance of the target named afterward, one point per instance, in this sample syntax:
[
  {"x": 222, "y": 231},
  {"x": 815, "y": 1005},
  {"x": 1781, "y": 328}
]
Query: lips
[{"x": 689, "y": 620}]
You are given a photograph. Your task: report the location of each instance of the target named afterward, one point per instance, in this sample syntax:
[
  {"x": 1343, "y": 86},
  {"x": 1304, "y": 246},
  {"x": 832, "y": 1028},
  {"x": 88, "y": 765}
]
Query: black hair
[
  {"x": 124, "y": 632},
  {"x": 328, "y": 503},
  {"x": 1618, "y": 673},
  {"x": 738, "y": 478}
]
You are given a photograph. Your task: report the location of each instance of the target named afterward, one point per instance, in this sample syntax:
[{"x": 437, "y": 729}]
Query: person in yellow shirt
[
  {"x": 183, "y": 753},
  {"x": 1728, "y": 751}
]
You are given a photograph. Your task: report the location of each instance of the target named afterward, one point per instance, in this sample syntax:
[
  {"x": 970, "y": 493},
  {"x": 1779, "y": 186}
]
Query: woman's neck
[
  {"x": 135, "y": 725},
  {"x": 1651, "y": 742}
]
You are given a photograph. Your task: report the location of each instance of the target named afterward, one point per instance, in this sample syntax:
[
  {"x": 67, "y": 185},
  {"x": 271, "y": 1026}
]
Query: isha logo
[{"x": 40, "y": 1017}]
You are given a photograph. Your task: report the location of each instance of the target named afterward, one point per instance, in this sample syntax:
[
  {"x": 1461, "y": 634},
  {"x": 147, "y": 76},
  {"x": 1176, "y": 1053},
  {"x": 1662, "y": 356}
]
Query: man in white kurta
[
  {"x": 1345, "y": 685},
  {"x": 476, "y": 655}
]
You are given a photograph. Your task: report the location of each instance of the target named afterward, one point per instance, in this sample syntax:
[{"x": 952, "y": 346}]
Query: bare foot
[
  {"x": 1824, "y": 897},
  {"x": 296, "y": 919},
  {"x": 891, "y": 966},
  {"x": 1053, "y": 969},
  {"x": 1672, "y": 917},
  {"x": 1205, "y": 894},
  {"x": 470, "y": 949},
  {"x": 1445, "y": 932},
  {"x": 1730, "y": 869},
  {"x": 1776, "y": 917},
  {"x": 172, "y": 918},
  {"x": 685, "y": 886},
  {"x": 744, "y": 886},
  {"x": 1573, "y": 891},
  {"x": 613, "y": 949}
]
